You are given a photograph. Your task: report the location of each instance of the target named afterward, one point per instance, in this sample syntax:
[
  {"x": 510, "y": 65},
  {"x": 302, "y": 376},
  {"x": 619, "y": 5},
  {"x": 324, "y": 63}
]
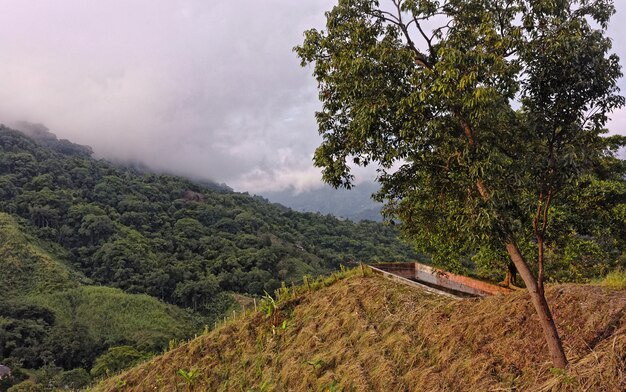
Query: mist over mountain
[
  {"x": 355, "y": 204},
  {"x": 42, "y": 136}
]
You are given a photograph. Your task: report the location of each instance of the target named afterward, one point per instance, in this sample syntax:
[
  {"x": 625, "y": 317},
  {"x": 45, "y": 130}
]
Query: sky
[{"x": 207, "y": 89}]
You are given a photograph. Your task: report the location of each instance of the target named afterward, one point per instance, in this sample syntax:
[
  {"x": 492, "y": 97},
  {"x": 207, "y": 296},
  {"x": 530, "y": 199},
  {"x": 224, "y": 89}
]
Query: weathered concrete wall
[
  {"x": 405, "y": 270},
  {"x": 406, "y": 281},
  {"x": 441, "y": 279},
  {"x": 452, "y": 281}
]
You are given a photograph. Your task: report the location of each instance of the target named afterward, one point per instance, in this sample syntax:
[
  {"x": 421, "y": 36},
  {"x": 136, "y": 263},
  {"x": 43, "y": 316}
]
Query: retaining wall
[{"x": 441, "y": 279}]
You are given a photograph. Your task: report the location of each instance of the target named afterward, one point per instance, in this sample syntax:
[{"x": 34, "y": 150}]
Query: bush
[
  {"x": 117, "y": 359},
  {"x": 73, "y": 379},
  {"x": 27, "y": 386},
  {"x": 615, "y": 280}
]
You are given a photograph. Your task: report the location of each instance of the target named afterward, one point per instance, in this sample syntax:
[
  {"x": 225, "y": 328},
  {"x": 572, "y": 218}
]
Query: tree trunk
[
  {"x": 510, "y": 280},
  {"x": 541, "y": 307}
]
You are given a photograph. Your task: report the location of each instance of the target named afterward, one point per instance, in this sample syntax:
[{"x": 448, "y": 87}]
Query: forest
[{"x": 100, "y": 257}]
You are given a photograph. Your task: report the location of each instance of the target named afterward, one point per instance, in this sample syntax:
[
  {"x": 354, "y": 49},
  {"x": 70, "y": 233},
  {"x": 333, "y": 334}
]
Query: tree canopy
[{"x": 493, "y": 110}]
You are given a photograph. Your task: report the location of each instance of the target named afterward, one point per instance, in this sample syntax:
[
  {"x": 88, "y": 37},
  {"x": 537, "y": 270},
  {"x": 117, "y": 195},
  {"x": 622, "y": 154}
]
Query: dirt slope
[{"x": 370, "y": 334}]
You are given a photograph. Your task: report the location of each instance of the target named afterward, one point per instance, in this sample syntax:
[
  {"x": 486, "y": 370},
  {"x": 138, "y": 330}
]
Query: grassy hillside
[
  {"x": 367, "y": 333},
  {"x": 114, "y": 317},
  {"x": 26, "y": 267},
  {"x": 48, "y": 316}
]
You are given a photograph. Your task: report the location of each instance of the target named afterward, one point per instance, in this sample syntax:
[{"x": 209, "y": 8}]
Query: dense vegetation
[
  {"x": 51, "y": 320},
  {"x": 71, "y": 222}
]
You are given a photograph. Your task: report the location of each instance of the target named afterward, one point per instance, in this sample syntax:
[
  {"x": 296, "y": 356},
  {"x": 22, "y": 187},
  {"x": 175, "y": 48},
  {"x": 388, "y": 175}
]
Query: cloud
[{"x": 209, "y": 89}]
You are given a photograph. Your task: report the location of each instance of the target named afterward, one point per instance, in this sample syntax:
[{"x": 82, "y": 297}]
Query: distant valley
[{"x": 355, "y": 204}]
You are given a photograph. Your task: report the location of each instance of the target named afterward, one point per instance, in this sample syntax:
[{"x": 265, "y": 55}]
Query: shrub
[
  {"x": 116, "y": 359},
  {"x": 615, "y": 280},
  {"x": 27, "y": 386}
]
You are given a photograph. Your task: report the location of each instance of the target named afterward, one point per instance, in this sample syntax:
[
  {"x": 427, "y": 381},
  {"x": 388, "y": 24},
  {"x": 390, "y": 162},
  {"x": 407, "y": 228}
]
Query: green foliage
[
  {"x": 496, "y": 112},
  {"x": 493, "y": 117},
  {"x": 111, "y": 316},
  {"x": 615, "y": 280},
  {"x": 169, "y": 237},
  {"x": 24, "y": 329},
  {"x": 316, "y": 363},
  {"x": 74, "y": 379},
  {"x": 189, "y": 377},
  {"x": 27, "y": 386},
  {"x": 221, "y": 304},
  {"x": 27, "y": 268},
  {"x": 564, "y": 376},
  {"x": 117, "y": 359},
  {"x": 268, "y": 305},
  {"x": 591, "y": 237},
  {"x": 334, "y": 386},
  {"x": 48, "y": 319}
]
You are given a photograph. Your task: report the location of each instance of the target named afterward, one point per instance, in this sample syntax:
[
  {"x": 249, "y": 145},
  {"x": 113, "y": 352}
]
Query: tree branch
[
  {"x": 428, "y": 40},
  {"x": 421, "y": 59}
]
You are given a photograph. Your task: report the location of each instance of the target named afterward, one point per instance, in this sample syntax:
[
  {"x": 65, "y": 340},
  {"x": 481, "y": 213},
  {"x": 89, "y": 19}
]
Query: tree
[
  {"x": 96, "y": 228},
  {"x": 489, "y": 113},
  {"x": 116, "y": 359}
]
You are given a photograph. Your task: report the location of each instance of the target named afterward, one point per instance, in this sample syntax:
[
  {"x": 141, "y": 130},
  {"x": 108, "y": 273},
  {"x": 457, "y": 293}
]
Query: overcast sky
[{"x": 207, "y": 88}]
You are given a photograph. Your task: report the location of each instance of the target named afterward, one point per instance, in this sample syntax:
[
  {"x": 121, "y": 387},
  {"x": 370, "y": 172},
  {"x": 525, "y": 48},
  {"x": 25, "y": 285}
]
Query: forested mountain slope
[
  {"x": 28, "y": 269},
  {"x": 168, "y": 237},
  {"x": 50, "y": 318},
  {"x": 71, "y": 223},
  {"x": 372, "y": 334}
]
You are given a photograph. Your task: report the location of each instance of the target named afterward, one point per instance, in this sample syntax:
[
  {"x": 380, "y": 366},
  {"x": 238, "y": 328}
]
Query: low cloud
[{"x": 209, "y": 89}]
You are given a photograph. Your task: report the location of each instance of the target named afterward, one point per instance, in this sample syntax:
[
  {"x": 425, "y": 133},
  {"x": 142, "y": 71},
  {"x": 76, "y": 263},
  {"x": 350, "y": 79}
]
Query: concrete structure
[
  {"x": 408, "y": 282},
  {"x": 440, "y": 280},
  {"x": 5, "y": 372}
]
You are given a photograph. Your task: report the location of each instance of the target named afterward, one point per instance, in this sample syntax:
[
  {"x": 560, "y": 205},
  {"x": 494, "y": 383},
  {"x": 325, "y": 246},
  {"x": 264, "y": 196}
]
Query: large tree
[{"x": 479, "y": 113}]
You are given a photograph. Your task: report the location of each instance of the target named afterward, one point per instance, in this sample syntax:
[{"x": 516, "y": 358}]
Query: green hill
[
  {"x": 49, "y": 317},
  {"x": 114, "y": 317},
  {"x": 96, "y": 256},
  {"x": 169, "y": 237},
  {"x": 26, "y": 268},
  {"x": 371, "y": 334}
]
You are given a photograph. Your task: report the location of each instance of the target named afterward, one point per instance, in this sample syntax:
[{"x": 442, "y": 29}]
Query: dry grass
[{"x": 371, "y": 334}]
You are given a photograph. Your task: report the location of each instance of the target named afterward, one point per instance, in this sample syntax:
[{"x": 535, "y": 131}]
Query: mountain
[
  {"x": 366, "y": 333},
  {"x": 97, "y": 256},
  {"x": 355, "y": 204},
  {"x": 42, "y": 135}
]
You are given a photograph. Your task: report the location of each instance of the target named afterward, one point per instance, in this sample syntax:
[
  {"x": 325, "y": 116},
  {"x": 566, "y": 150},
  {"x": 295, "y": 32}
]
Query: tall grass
[{"x": 615, "y": 280}]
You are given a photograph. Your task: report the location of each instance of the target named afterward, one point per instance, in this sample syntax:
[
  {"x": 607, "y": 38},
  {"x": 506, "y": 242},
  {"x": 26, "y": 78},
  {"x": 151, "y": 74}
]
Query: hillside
[
  {"x": 169, "y": 237},
  {"x": 26, "y": 267},
  {"x": 49, "y": 315},
  {"x": 96, "y": 256},
  {"x": 367, "y": 333}
]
